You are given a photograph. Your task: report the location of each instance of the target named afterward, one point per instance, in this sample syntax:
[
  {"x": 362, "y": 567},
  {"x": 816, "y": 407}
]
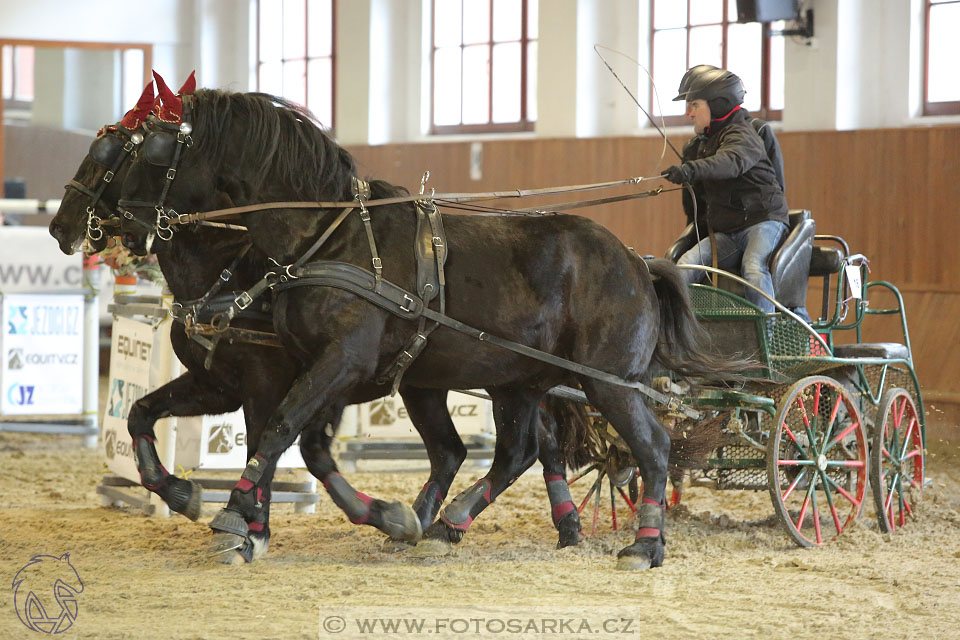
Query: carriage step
[{"x": 884, "y": 350}]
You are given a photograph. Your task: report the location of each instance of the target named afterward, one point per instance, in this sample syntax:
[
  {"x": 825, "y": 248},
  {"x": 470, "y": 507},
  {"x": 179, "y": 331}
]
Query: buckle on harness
[
  {"x": 225, "y": 275},
  {"x": 108, "y": 176},
  {"x": 407, "y": 300},
  {"x": 171, "y": 173},
  {"x": 243, "y": 301},
  {"x": 437, "y": 241},
  {"x": 378, "y": 264}
]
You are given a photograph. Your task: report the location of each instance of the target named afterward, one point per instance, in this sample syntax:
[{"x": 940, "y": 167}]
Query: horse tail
[
  {"x": 577, "y": 438},
  {"x": 683, "y": 346}
]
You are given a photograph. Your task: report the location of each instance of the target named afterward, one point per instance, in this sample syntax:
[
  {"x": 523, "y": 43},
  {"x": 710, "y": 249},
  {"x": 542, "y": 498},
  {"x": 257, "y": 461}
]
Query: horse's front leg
[
  {"x": 315, "y": 393},
  {"x": 191, "y": 394},
  {"x": 515, "y": 414}
]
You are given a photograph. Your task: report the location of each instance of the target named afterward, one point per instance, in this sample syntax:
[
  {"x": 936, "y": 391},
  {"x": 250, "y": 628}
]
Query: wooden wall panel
[{"x": 893, "y": 194}]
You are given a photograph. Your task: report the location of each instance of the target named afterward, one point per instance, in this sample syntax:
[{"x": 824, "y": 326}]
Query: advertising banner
[
  {"x": 130, "y": 350},
  {"x": 42, "y": 348},
  {"x": 387, "y": 418},
  {"x": 32, "y": 262},
  {"x": 220, "y": 442}
]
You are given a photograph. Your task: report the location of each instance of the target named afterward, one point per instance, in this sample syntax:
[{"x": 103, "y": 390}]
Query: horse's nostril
[{"x": 129, "y": 239}]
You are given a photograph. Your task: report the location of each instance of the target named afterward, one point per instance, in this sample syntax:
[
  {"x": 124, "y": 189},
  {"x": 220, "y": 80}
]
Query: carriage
[
  {"x": 829, "y": 415},
  {"x": 538, "y": 317}
]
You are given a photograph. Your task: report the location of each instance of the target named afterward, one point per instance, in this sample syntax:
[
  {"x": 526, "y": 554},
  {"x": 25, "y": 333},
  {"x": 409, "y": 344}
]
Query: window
[
  {"x": 295, "y": 51},
  {"x": 17, "y": 75},
  {"x": 19, "y": 60},
  {"x": 484, "y": 60},
  {"x": 686, "y": 33},
  {"x": 941, "y": 91}
]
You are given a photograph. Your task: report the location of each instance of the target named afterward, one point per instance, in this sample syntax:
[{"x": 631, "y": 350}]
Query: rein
[{"x": 189, "y": 218}]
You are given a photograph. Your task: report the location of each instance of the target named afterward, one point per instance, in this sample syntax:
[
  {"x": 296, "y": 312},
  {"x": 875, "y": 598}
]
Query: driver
[{"x": 745, "y": 207}]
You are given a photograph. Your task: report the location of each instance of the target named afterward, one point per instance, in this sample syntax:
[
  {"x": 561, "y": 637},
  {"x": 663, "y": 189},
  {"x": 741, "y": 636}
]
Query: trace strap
[{"x": 402, "y": 303}]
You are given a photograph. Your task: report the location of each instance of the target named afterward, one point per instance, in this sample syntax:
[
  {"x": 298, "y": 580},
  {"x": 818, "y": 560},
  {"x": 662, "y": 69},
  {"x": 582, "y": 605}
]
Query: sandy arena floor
[{"x": 729, "y": 567}]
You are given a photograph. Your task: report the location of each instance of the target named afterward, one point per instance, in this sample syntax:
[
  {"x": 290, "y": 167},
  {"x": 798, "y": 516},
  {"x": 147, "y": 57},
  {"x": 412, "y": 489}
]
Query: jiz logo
[
  {"x": 20, "y": 395},
  {"x": 17, "y": 322},
  {"x": 45, "y": 594}
]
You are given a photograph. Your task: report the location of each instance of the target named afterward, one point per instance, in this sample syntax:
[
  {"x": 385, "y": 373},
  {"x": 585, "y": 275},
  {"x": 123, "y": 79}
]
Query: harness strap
[{"x": 401, "y": 303}]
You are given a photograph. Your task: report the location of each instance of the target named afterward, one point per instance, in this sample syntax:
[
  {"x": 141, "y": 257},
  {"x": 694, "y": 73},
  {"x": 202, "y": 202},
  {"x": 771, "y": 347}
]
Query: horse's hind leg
[
  {"x": 191, "y": 394},
  {"x": 650, "y": 445},
  {"x": 562, "y": 510},
  {"x": 515, "y": 414},
  {"x": 395, "y": 519},
  {"x": 428, "y": 411}
]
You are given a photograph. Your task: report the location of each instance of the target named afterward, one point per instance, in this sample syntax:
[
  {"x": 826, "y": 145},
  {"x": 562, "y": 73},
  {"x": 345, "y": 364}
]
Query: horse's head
[
  {"x": 166, "y": 178},
  {"x": 91, "y": 196}
]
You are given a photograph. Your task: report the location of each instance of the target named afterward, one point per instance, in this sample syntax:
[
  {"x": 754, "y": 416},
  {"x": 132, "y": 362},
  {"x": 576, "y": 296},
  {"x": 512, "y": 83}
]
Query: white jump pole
[{"x": 91, "y": 350}]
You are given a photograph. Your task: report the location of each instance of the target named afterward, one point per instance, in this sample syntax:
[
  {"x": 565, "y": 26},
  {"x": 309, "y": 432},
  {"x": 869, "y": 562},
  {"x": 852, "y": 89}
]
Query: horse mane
[{"x": 279, "y": 144}]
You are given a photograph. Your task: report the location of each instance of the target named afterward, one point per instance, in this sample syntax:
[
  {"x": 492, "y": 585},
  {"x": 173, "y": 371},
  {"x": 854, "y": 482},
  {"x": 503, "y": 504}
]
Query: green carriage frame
[{"x": 815, "y": 427}]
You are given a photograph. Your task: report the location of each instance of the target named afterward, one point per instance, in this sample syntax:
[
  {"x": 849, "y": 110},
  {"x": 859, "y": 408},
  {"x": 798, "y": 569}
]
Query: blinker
[
  {"x": 158, "y": 148},
  {"x": 104, "y": 149}
]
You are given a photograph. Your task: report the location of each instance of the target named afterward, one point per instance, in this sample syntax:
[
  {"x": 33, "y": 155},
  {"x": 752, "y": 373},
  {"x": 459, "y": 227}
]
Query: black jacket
[{"x": 736, "y": 182}]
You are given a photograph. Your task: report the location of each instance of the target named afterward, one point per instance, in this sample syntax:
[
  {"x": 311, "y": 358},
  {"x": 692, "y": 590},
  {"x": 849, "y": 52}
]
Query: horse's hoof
[
  {"x": 633, "y": 563},
  {"x": 401, "y": 522},
  {"x": 224, "y": 546},
  {"x": 431, "y": 548},
  {"x": 392, "y": 545},
  {"x": 185, "y": 497},
  {"x": 569, "y": 539}
]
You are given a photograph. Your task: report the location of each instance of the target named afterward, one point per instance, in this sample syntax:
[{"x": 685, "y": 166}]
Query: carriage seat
[
  {"x": 789, "y": 263},
  {"x": 825, "y": 261},
  {"x": 885, "y": 350}
]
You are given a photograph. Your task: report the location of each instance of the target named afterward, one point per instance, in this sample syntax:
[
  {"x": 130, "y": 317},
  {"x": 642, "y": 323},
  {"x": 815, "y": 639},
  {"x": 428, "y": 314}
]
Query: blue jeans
[{"x": 754, "y": 245}]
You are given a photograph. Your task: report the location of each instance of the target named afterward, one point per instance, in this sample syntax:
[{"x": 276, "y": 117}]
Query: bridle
[
  {"x": 154, "y": 146},
  {"x": 94, "y": 222}
]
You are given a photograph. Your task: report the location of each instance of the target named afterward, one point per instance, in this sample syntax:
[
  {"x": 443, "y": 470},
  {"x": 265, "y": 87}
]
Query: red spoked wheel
[
  {"x": 817, "y": 461},
  {"x": 897, "y": 463},
  {"x": 619, "y": 473}
]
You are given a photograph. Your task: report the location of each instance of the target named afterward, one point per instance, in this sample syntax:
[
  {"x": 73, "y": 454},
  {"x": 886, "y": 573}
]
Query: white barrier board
[
  {"x": 30, "y": 260},
  {"x": 131, "y": 348},
  {"x": 42, "y": 347},
  {"x": 387, "y": 418},
  {"x": 220, "y": 442}
]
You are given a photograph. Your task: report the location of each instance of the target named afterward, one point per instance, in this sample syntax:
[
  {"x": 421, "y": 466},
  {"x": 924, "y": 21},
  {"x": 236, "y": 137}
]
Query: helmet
[
  {"x": 688, "y": 77},
  {"x": 721, "y": 89}
]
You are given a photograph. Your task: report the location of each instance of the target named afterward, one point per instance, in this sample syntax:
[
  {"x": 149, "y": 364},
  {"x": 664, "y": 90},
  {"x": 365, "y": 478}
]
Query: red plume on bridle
[
  {"x": 169, "y": 107},
  {"x": 132, "y": 119}
]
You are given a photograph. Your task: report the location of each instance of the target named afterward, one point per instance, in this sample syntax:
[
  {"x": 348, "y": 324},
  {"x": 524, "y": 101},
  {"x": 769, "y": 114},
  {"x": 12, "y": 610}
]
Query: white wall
[{"x": 861, "y": 70}]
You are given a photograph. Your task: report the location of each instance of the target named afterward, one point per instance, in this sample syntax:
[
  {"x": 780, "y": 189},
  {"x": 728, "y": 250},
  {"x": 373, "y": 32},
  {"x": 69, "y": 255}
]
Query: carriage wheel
[
  {"x": 613, "y": 467},
  {"x": 896, "y": 465},
  {"x": 817, "y": 461}
]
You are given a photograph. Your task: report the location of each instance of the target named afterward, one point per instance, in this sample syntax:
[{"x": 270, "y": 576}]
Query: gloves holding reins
[{"x": 678, "y": 174}]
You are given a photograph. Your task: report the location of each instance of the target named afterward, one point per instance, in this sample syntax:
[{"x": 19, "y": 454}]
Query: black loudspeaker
[{"x": 766, "y": 10}]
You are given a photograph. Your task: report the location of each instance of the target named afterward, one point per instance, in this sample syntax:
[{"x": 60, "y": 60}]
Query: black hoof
[
  {"x": 184, "y": 496},
  {"x": 569, "y": 529},
  {"x": 440, "y": 530},
  {"x": 645, "y": 553}
]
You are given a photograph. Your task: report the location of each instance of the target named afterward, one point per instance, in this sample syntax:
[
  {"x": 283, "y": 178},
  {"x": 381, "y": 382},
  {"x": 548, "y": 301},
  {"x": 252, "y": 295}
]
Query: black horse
[
  {"x": 254, "y": 376},
  {"x": 561, "y": 284}
]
